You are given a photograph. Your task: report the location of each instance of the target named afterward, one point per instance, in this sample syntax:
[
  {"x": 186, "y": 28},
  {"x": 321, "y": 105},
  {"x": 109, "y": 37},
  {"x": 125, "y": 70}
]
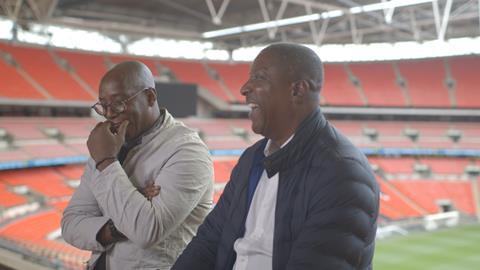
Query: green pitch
[{"x": 447, "y": 249}]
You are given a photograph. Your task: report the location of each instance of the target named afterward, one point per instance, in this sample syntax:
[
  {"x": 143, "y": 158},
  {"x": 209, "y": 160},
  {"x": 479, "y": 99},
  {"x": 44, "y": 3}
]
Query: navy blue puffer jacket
[{"x": 326, "y": 212}]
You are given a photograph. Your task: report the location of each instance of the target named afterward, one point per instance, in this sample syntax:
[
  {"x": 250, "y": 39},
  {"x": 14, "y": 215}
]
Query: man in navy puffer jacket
[{"x": 304, "y": 197}]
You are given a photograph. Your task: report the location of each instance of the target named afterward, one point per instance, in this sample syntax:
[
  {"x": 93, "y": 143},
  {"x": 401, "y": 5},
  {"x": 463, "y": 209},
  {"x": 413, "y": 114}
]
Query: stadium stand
[
  {"x": 37, "y": 242},
  {"x": 355, "y": 84},
  {"x": 196, "y": 73},
  {"x": 234, "y": 76},
  {"x": 40, "y": 64},
  {"x": 428, "y": 193},
  {"x": 90, "y": 67},
  {"x": 425, "y": 82},
  {"x": 375, "y": 87},
  {"x": 14, "y": 86},
  {"x": 466, "y": 79},
  {"x": 8, "y": 198},
  {"x": 338, "y": 88},
  {"x": 45, "y": 181}
]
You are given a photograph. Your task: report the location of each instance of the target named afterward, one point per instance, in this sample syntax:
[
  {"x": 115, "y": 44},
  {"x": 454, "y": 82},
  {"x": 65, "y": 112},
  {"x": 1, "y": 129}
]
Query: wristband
[{"x": 103, "y": 160}]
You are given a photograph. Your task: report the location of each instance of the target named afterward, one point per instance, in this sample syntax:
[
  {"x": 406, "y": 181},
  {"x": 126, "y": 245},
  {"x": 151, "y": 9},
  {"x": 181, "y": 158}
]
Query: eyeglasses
[{"x": 117, "y": 107}]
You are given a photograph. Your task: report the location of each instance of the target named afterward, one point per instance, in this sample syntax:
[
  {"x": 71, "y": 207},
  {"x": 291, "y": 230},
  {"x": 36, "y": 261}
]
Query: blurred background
[{"x": 401, "y": 81}]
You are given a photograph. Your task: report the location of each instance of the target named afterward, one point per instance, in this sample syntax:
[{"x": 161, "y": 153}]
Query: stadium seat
[
  {"x": 90, "y": 67},
  {"x": 378, "y": 84},
  {"x": 14, "y": 86},
  {"x": 234, "y": 76},
  {"x": 8, "y": 198},
  {"x": 337, "y": 88},
  {"x": 425, "y": 82},
  {"x": 464, "y": 72},
  {"x": 42, "y": 67},
  {"x": 44, "y": 181},
  {"x": 196, "y": 73}
]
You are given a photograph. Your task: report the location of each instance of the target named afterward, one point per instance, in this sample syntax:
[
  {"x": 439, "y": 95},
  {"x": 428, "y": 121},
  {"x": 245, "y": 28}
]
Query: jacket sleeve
[
  {"x": 82, "y": 219},
  {"x": 183, "y": 181},
  {"x": 201, "y": 252},
  {"x": 340, "y": 227}
]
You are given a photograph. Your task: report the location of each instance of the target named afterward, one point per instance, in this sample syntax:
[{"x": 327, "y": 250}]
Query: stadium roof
[{"x": 257, "y": 22}]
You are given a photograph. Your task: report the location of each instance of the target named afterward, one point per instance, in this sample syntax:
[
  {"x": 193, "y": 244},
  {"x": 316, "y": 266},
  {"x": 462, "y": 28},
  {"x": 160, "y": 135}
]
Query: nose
[
  {"x": 109, "y": 113},
  {"x": 245, "y": 89}
]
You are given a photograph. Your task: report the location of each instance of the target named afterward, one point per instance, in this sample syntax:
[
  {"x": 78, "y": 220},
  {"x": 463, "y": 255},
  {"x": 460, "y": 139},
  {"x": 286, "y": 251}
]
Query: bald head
[
  {"x": 131, "y": 76},
  {"x": 300, "y": 62}
]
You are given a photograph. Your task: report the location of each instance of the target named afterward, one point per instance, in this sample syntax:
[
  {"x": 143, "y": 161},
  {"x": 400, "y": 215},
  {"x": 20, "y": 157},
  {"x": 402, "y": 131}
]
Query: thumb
[{"x": 122, "y": 130}]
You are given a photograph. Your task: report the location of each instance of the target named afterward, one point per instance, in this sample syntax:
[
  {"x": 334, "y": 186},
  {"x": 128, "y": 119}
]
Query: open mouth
[
  {"x": 253, "y": 109},
  {"x": 253, "y": 106}
]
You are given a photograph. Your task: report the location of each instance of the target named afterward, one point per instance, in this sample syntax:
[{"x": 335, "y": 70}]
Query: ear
[
  {"x": 299, "y": 90},
  {"x": 151, "y": 96}
]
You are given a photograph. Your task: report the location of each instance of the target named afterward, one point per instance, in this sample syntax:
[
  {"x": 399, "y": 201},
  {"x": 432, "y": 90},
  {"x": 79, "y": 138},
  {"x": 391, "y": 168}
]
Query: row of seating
[
  {"x": 60, "y": 137},
  {"x": 40, "y": 73},
  {"x": 36, "y": 240},
  {"x": 51, "y": 182}
]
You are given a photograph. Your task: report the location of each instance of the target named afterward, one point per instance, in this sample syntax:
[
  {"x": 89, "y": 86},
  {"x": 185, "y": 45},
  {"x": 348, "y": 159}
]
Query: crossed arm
[{"x": 109, "y": 195}]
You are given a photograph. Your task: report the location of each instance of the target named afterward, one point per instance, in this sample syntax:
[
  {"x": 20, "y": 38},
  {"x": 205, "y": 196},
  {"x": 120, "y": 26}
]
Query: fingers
[
  {"x": 150, "y": 191},
  {"x": 122, "y": 130}
]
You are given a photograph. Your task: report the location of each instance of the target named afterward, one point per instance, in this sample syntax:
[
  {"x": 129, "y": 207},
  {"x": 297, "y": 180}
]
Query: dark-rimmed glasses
[{"x": 117, "y": 107}]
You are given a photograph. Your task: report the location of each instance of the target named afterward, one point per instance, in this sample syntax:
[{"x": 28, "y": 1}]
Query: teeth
[{"x": 252, "y": 105}]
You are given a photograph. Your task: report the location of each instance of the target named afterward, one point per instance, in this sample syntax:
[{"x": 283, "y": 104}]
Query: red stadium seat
[
  {"x": 234, "y": 76},
  {"x": 196, "y": 73},
  {"x": 378, "y": 83},
  {"x": 337, "y": 89},
  {"x": 425, "y": 82},
  {"x": 464, "y": 72},
  {"x": 90, "y": 67},
  {"x": 41, "y": 66}
]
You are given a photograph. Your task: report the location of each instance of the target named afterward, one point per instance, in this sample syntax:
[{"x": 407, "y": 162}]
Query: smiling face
[{"x": 268, "y": 94}]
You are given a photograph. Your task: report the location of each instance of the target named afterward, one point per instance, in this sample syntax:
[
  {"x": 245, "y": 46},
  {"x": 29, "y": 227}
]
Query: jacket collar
[{"x": 295, "y": 149}]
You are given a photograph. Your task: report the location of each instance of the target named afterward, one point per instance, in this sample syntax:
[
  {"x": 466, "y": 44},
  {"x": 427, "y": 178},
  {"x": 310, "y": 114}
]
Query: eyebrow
[
  {"x": 263, "y": 69},
  {"x": 114, "y": 96}
]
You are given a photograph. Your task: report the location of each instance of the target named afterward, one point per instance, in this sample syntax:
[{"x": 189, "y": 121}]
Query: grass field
[{"x": 448, "y": 249}]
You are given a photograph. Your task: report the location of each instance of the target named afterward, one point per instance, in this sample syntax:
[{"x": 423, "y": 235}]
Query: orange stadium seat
[
  {"x": 13, "y": 85},
  {"x": 90, "y": 67},
  {"x": 464, "y": 72},
  {"x": 196, "y": 73},
  {"x": 222, "y": 169},
  {"x": 36, "y": 240},
  {"x": 396, "y": 202},
  {"x": 234, "y": 76},
  {"x": 444, "y": 165},
  {"x": 72, "y": 172},
  {"x": 8, "y": 199},
  {"x": 426, "y": 193},
  {"x": 41, "y": 66},
  {"x": 394, "y": 165},
  {"x": 425, "y": 82},
  {"x": 378, "y": 83},
  {"x": 337, "y": 88},
  {"x": 45, "y": 181}
]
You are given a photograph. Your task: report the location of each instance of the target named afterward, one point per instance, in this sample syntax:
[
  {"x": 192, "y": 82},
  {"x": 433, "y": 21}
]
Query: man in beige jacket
[{"x": 119, "y": 212}]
